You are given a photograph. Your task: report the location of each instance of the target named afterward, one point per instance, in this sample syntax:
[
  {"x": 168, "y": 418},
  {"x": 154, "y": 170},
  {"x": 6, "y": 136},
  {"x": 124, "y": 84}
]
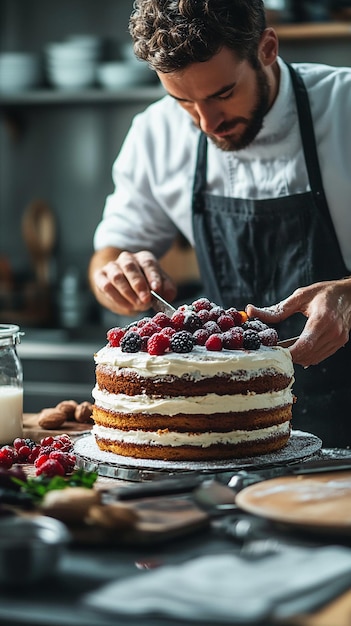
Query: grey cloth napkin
[{"x": 231, "y": 589}]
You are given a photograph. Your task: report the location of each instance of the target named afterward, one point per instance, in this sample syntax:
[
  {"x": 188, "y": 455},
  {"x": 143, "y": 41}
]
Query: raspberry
[
  {"x": 34, "y": 453},
  {"x": 65, "y": 459},
  {"x": 42, "y": 458},
  {"x": 162, "y": 320},
  {"x": 168, "y": 331},
  {"x": 255, "y": 324},
  {"x": 23, "y": 454},
  {"x": 269, "y": 337},
  {"x": 225, "y": 322},
  {"x": 201, "y": 303},
  {"x": 212, "y": 327},
  {"x": 191, "y": 322},
  {"x": 65, "y": 438},
  {"x": 236, "y": 315},
  {"x": 7, "y": 456},
  {"x": 177, "y": 319},
  {"x": 19, "y": 442},
  {"x": 143, "y": 321},
  {"x": 182, "y": 341},
  {"x": 204, "y": 315},
  {"x": 149, "y": 329},
  {"x": 158, "y": 344},
  {"x": 214, "y": 343},
  {"x": 114, "y": 336},
  {"x": 131, "y": 342},
  {"x": 51, "y": 467},
  {"x": 201, "y": 335},
  {"x": 216, "y": 312},
  {"x": 46, "y": 441},
  {"x": 251, "y": 340},
  {"x": 233, "y": 338},
  {"x": 61, "y": 444}
]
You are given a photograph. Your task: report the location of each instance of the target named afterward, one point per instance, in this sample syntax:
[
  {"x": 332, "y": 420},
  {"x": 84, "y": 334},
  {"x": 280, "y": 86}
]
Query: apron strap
[
  {"x": 308, "y": 139},
  {"x": 200, "y": 175}
]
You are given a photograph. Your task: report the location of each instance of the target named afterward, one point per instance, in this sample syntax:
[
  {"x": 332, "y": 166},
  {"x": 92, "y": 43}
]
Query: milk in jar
[{"x": 11, "y": 385}]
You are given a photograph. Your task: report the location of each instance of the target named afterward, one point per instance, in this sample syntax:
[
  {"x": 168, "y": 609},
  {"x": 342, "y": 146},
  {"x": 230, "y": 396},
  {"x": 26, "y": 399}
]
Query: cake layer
[
  {"x": 189, "y": 405},
  {"x": 169, "y": 446},
  {"x": 214, "y": 422},
  {"x": 131, "y": 383}
]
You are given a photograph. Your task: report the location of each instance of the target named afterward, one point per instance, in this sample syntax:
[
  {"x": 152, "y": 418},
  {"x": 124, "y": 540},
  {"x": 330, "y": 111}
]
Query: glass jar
[{"x": 11, "y": 385}]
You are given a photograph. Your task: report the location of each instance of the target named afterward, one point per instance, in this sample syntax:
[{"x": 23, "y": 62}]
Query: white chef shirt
[{"x": 154, "y": 171}]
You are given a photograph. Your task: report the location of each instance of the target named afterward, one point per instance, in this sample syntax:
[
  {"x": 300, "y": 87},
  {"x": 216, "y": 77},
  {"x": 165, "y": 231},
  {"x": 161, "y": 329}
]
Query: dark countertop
[{"x": 57, "y": 601}]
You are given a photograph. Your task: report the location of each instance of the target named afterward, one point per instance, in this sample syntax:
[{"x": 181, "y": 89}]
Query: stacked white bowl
[
  {"x": 125, "y": 72},
  {"x": 19, "y": 71},
  {"x": 72, "y": 63}
]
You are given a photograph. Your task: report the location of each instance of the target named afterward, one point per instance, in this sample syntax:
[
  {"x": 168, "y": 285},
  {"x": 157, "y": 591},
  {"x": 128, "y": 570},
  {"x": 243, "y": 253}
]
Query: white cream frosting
[
  {"x": 190, "y": 405},
  {"x": 174, "y": 439},
  {"x": 199, "y": 363}
]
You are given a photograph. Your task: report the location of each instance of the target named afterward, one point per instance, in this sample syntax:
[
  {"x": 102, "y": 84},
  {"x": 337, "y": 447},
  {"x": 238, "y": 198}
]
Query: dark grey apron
[{"x": 260, "y": 251}]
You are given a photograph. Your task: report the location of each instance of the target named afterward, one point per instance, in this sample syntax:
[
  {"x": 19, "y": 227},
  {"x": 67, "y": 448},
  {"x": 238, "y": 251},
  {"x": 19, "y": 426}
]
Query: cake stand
[{"x": 301, "y": 445}]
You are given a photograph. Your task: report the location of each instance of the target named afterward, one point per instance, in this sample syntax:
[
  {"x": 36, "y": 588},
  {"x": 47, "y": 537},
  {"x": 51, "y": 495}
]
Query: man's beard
[{"x": 253, "y": 124}]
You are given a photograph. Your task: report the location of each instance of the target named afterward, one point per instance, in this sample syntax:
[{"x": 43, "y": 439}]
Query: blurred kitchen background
[{"x": 69, "y": 88}]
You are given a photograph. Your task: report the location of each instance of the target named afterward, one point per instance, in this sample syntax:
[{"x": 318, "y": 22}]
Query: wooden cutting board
[
  {"x": 32, "y": 429},
  {"x": 313, "y": 502}
]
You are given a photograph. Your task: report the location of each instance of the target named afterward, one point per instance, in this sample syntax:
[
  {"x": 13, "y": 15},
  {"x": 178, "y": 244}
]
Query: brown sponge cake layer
[
  {"x": 216, "y": 422},
  {"x": 194, "y": 453},
  {"x": 131, "y": 384}
]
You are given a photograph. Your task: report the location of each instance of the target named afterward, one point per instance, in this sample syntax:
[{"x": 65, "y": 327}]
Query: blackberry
[
  {"x": 251, "y": 340},
  {"x": 255, "y": 324},
  {"x": 182, "y": 341},
  {"x": 131, "y": 342},
  {"x": 192, "y": 322}
]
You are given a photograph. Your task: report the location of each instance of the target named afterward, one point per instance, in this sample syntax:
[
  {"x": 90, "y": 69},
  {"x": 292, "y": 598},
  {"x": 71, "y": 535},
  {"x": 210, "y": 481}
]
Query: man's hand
[
  {"x": 121, "y": 281},
  {"x": 327, "y": 306}
]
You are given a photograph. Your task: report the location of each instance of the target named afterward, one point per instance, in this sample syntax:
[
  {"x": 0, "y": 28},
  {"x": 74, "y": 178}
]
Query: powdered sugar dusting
[{"x": 89, "y": 456}]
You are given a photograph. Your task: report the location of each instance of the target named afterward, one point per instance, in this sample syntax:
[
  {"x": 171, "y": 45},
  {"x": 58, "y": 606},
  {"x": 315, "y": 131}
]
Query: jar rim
[{"x": 8, "y": 330}]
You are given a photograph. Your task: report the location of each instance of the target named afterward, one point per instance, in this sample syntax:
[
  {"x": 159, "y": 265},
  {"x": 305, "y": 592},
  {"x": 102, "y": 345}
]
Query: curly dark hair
[{"x": 172, "y": 34}]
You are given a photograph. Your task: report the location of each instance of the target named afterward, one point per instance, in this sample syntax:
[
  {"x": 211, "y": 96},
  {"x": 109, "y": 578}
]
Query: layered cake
[{"x": 206, "y": 384}]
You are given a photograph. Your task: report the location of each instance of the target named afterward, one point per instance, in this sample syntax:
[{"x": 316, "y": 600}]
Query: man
[{"x": 250, "y": 159}]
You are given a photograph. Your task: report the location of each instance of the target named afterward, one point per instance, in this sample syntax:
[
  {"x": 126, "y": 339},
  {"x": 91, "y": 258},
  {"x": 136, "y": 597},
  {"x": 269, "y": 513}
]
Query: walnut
[
  {"x": 51, "y": 419},
  {"x": 67, "y": 407},
  {"x": 83, "y": 412}
]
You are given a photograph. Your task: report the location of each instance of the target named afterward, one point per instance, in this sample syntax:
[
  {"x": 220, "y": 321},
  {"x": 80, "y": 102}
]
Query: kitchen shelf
[
  {"x": 86, "y": 96},
  {"x": 313, "y": 30}
]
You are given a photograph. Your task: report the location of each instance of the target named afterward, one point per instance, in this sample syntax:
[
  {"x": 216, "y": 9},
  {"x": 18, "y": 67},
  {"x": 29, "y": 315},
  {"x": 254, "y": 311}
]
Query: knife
[
  {"x": 236, "y": 481},
  {"x": 159, "y": 304},
  {"x": 211, "y": 496}
]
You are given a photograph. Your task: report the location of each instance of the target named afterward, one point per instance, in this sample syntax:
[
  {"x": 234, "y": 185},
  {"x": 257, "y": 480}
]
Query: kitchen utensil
[
  {"x": 310, "y": 502},
  {"x": 159, "y": 304},
  {"x": 209, "y": 495},
  {"x": 237, "y": 481},
  {"x": 39, "y": 233},
  {"x": 30, "y": 549},
  {"x": 286, "y": 343}
]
